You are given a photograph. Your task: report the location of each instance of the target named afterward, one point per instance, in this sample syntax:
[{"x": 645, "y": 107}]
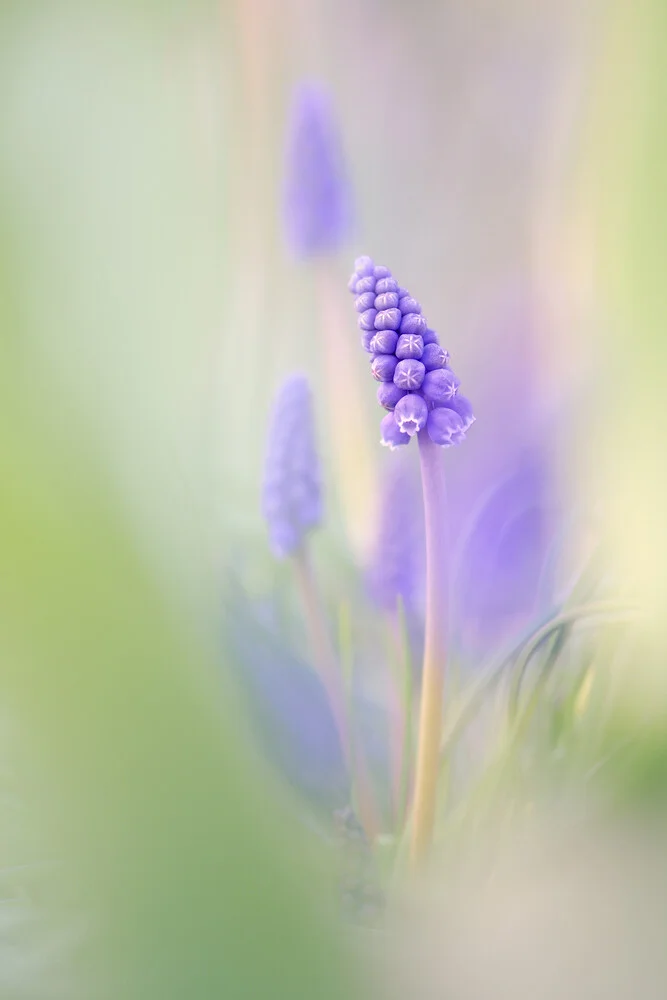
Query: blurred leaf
[{"x": 173, "y": 847}]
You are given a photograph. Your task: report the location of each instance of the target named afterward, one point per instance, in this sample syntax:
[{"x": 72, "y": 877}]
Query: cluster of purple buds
[{"x": 417, "y": 386}]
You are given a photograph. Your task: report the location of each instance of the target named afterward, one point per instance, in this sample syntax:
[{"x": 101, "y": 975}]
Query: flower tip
[{"x": 363, "y": 266}]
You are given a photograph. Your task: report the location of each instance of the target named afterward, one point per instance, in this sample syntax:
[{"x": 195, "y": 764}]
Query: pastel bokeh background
[{"x": 169, "y": 762}]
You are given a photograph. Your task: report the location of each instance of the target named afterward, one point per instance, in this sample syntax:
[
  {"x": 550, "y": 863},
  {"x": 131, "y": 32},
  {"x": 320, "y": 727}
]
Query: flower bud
[
  {"x": 445, "y": 427},
  {"x": 386, "y": 300},
  {"x": 383, "y": 367},
  {"x": 413, "y": 323},
  {"x": 439, "y": 386},
  {"x": 384, "y": 342},
  {"x": 461, "y": 405},
  {"x": 409, "y": 345},
  {"x": 392, "y": 436},
  {"x": 409, "y": 374},
  {"x": 411, "y": 413},
  {"x": 388, "y": 319},
  {"x": 389, "y": 394},
  {"x": 434, "y": 356},
  {"x": 366, "y": 319}
]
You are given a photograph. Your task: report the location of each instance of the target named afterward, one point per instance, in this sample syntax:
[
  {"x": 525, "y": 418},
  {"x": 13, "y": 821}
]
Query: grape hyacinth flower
[
  {"x": 317, "y": 198},
  {"x": 292, "y": 497},
  {"x": 421, "y": 394},
  {"x": 292, "y": 506},
  {"x": 407, "y": 358}
]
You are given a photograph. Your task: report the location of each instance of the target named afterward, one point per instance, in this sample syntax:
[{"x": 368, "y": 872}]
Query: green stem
[
  {"x": 323, "y": 654},
  {"x": 435, "y": 648},
  {"x": 327, "y": 667}
]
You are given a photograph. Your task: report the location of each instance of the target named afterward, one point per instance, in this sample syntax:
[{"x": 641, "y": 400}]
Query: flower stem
[
  {"x": 323, "y": 655},
  {"x": 435, "y": 647},
  {"x": 353, "y": 452},
  {"x": 328, "y": 669}
]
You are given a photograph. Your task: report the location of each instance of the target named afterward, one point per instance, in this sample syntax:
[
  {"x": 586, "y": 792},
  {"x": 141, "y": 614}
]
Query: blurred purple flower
[
  {"x": 503, "y": 554},
  {"x": 397, "y": 568},
  {"x": 503, "y": 502},
  {"x": 408, "y": 360},
  {"x": 317, "y": 196},
  {"x": 292, "y": 495}
]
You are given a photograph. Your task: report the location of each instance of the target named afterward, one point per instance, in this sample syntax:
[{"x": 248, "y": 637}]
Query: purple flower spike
[
  {"x": 408, "y": 361},
  {"x": 384, "y": 342},
  {"x": 413, "y": 323},
  {"x": 367, "y": 319},
  {"x": 388, "y": 319},
  {"x": 392, "y": 435},
  {"x": 317, "y": 198},
  {"x": 414, "y": 414},
  {"x": 439, "y": 386},
  {"x": 291, "y": 499},
  {"x": 364, "y": 302},
  {"x": 411, "y": 413},
  {"x": 389, "y": 394},
  {"x": 409, "y": 345},
  {"x": 387, "y": 300},
  {"x": 462, "y": 406},
  {"x": 445, "y": 427},
  {"x": 409, "y": 374},
  {"x": 408, "y": 305},
  {"x": 383, "y": 367}
]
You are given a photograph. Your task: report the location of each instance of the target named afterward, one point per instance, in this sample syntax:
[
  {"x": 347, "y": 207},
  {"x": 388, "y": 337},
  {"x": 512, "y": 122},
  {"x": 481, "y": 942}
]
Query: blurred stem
[
  {"x": 406, "y": 657},
  {"x": 435, "y": 648},
  {"x": 346, "y": 655},
  {"x": 402, "y": 729},
  {"x": 353, "y": 456},
  {"x": 327, "y": 667},
  {"x": 323, "y": 654}
]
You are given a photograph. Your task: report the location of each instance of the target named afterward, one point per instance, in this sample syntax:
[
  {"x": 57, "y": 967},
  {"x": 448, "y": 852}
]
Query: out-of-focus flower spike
[
  {"x": 317, "y": 196},
  {"x": 292, "y": 494}
]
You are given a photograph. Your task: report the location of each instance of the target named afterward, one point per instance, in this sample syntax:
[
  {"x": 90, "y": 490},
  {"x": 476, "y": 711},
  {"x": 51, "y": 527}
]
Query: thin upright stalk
[
  {"x": 353, "y": 453},
  {"x": 435, "y": 648},
  {"x": 324, "y": 658},
  {"x": 331, "y": 675}
]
